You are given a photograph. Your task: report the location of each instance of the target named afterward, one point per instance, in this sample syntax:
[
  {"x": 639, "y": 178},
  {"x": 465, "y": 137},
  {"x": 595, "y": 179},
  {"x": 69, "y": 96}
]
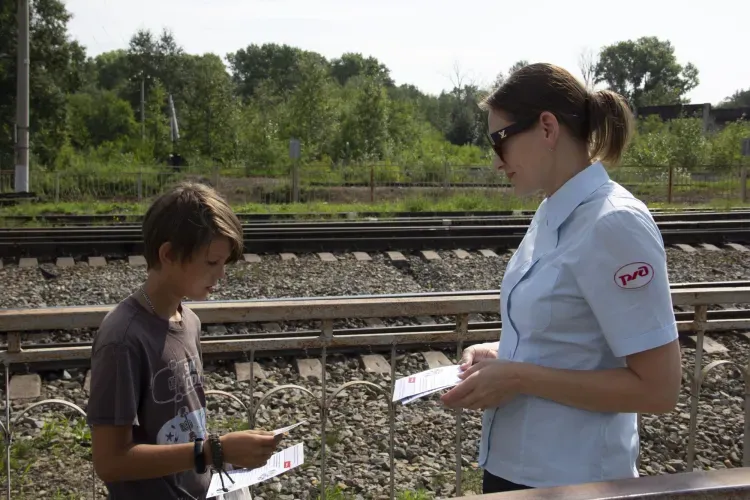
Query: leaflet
[
  {"x": 279, "y": 463},
  {"x": 288, "y": 428},
  {"x": 421, "y": 384}
]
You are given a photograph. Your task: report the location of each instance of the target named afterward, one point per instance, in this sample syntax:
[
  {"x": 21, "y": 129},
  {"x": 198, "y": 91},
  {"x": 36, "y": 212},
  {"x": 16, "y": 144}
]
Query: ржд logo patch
[{"x": 634, "y": 275}]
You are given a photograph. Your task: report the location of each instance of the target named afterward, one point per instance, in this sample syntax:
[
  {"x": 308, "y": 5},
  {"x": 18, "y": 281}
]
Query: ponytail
[{"x": 610, "y": 125}]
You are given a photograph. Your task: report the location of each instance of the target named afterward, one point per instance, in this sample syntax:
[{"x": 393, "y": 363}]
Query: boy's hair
[{"x": 189, "y": 216}]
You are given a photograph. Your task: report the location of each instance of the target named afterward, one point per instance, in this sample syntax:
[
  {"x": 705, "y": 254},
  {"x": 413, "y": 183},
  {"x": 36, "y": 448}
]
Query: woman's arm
[{"x": 649, "y": 384}]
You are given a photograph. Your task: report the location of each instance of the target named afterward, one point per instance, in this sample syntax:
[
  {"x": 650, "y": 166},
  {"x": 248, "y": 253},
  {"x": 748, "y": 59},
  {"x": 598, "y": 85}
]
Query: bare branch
[{"x": 587, "y": 60}]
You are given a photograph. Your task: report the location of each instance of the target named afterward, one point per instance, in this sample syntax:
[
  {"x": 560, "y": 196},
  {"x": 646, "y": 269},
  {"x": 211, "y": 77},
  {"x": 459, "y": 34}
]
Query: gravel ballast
[{"x": 358, "y": 425}]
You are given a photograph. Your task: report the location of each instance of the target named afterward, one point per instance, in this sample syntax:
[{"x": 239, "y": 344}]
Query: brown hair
[
  {"x": 189, "y": 216},
  {"x": 601, "y": 119}
]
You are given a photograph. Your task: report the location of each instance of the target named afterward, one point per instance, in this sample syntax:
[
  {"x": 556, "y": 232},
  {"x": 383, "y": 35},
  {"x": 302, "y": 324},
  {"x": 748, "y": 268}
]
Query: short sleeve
[
  {"x": 621, "y": 270},
  {"x": 115, "y": 386}
]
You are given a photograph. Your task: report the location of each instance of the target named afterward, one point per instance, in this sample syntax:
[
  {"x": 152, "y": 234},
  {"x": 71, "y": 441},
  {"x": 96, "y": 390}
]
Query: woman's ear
[{"x": 550, "y": 128}]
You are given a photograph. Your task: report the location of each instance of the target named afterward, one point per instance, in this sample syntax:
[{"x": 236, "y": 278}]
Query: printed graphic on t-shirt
[
  {"x": 185, "y": 427},
  {"x": 182, "y": 379}
]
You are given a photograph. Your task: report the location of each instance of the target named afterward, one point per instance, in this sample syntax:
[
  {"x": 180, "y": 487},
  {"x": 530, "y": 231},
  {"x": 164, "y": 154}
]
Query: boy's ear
[{"x": 166, "y": 254}]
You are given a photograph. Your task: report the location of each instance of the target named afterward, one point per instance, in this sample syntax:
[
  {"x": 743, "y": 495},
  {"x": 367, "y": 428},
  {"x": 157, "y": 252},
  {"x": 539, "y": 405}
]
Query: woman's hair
[{"x": 601, "y": 119}]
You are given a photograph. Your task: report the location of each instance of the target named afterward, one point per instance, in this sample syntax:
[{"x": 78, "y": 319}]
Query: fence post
[
  {"x": 743, "y": 174},
  {"x": 670, "y": 183},
  {"x": 372, "y": 183},
  {"x": 57, "y": 187},
  {"x": 140, "y": 185},
  {"x": 215, "y": 177}
]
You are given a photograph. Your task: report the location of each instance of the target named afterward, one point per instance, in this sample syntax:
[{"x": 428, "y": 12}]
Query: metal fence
[
  {"x": 374, "y": 183},
  {"x": 326, "y": 311}
]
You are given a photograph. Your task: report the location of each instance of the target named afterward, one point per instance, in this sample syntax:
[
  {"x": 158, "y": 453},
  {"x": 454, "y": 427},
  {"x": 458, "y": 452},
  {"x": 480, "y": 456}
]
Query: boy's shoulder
[{"x": 117, "y": 323}]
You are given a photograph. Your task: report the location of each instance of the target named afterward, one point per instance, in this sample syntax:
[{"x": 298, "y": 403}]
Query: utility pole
[
  {"x": 143, "y": 107},
  {"x": 22, "y": 100}
]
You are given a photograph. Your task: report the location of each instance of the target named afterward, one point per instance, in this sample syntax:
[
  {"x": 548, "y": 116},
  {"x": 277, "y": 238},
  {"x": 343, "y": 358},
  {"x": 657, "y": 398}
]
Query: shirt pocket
[{"x": 530, "y": 302}]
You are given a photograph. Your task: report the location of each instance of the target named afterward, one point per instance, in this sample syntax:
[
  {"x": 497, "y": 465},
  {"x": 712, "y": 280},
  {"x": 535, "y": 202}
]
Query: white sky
[{"x": 421, "y": 41}]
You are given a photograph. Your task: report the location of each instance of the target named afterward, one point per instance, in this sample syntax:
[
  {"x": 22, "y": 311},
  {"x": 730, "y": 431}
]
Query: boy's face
[{"x": 196, "y": 277}]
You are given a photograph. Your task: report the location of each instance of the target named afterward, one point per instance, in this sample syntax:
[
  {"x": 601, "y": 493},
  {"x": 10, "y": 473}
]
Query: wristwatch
[{"x": 198, "y": 455}]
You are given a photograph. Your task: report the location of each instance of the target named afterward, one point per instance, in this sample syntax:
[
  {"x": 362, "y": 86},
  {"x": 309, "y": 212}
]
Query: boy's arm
[
  {"x": 112, "y": 411},
  {"x": 116, "y": 458}
]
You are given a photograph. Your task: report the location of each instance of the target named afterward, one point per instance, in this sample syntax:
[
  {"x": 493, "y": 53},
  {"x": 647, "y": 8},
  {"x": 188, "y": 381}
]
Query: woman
[{"x": 589, "y": 337}]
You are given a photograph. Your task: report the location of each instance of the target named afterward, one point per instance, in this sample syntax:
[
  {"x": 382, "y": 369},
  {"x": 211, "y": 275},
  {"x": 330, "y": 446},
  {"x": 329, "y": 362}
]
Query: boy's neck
[{"x": 164, "y": 300}]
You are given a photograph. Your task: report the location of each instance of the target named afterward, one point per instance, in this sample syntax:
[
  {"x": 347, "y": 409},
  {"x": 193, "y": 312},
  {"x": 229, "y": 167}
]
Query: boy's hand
[{"x": 249, "y": 449}]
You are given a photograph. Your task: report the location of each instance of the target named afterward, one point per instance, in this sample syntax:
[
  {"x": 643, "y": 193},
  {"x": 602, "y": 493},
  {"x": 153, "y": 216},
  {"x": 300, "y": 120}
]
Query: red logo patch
[
  {"x": 412, "y": 380},
  {"x": 634, "y": 275},
  {"x": 287, "y": 464}
]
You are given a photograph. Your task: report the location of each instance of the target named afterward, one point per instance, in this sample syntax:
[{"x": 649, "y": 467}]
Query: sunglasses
[{"x": 499, "y": 136}]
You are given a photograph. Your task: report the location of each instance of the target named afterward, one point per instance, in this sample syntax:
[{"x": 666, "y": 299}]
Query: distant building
[{"x": 713, "y": 118}]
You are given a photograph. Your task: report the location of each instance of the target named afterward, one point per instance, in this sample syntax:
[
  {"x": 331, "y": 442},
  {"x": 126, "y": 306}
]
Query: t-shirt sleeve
[
  {"x": 622, "y": 273},
  {"x": 115, "y": 386}
]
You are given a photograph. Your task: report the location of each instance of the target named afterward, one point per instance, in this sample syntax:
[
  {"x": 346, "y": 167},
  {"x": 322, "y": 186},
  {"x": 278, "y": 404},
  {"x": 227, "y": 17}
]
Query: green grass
[
  {"x": 58, "y": 441},
  {"x": 456, "y": 203}
]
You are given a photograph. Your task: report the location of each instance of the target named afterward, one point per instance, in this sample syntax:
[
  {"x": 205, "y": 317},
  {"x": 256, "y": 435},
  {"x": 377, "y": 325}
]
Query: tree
[
  {"x": 740, "y": 98},
  {"x": 646, "y": 72},
  {"x": 587, "y": 62},
  {"x": 351, "y": 64},
  {"x": 57, "y": 69},
  {"x": 501, "y": 77}
]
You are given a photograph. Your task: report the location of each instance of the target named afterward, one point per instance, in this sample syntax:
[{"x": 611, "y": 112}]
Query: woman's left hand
[{"x": 486, "y": 384}]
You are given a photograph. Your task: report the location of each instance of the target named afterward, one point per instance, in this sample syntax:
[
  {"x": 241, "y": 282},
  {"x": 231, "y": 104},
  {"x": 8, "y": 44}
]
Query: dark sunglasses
[{"x": 499, "y": 136}]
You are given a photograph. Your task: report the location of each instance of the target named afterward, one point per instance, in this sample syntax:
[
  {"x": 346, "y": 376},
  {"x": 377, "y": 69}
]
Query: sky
[{"x": 424, "y": 42}]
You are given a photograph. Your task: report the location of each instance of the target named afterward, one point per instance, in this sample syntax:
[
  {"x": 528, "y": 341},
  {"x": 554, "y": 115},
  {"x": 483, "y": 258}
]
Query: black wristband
[
  {"x": 199, "y": 456},
  {"x": 217, "y": 454}
]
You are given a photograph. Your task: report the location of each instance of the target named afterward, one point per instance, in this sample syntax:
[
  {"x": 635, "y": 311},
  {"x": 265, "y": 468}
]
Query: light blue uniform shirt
[{"x": 587, "y": 286}]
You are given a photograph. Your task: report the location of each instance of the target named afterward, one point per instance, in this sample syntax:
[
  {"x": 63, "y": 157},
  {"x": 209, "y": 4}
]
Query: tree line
[{"x": 88, "y": 111}]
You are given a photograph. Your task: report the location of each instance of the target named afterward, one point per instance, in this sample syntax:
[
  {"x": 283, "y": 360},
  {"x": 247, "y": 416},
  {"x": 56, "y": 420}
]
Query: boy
[{"x": 147, "y": 406}]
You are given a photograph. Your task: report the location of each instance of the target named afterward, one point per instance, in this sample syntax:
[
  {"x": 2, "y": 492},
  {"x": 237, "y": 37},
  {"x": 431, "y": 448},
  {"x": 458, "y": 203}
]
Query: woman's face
[{"x": 525, "y": 153}]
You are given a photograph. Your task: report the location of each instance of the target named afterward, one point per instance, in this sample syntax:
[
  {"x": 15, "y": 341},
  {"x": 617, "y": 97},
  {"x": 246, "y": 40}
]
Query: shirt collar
[{"x": 561, "y": 204}]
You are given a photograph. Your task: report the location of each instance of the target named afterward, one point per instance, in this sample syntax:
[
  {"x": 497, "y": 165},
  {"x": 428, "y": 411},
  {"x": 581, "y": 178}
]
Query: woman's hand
[
  {"x": 486, "y": 384},
  {"x": 478, "y": 352}
]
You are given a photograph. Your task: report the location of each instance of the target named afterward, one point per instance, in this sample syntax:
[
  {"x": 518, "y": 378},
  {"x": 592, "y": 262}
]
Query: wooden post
[{"x": 670, "y": 184}]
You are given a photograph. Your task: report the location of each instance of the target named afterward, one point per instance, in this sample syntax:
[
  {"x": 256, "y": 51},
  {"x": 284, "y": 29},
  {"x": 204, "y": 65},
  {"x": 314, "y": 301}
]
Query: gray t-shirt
[{"x": 147, "y": 372}]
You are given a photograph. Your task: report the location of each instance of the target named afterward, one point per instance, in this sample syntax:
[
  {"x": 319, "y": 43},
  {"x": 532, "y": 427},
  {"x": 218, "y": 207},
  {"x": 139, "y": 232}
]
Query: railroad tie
[
  {"x": 430, "y": 255},
  {"x": 137, "y": 260},
  {"x": 252, "y": 258},
  {"x": 242, "y": 371},
  {"x": 436, "y": 359},
  {"x": 25, "y": 386},
  {"x": 685, "y": 248},
  {"x": 461, "y": 254},
  {"x": 735, "y": 246},
  {"x": 27, "y": 262},
  {"x": 310, "y": 368},
  {"x": 362, "y": 256},
  {"x": 375, "y": 363},
  {"x": 710, "y": 346},
  {"x": 487, "y": 252},
  {"x": 286, "y": 256}
]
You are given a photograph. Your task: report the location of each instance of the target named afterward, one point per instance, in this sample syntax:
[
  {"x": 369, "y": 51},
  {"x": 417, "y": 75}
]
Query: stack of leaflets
[
  {"x": 424, "y": 383},
  {"x": 279, "y": 463}
]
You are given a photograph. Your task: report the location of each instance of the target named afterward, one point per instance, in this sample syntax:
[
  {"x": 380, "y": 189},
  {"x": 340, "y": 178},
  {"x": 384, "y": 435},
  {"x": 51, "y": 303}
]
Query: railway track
[
  {"x": 292, "y": 339},
  {"x": 418, "y": 233}
]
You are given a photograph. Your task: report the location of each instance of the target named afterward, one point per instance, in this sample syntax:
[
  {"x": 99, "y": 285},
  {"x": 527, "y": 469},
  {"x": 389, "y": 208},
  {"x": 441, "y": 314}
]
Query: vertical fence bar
[
  {"x": 670, "y": 183},
  {"x": 57, "y": 187},
  {"x": 140, "y": 186},
  {"x": 699, "y": 325},
  {"x": 8, "y": 430},
  {"x": 743, "y": 183},
  {"x": 327, "y": 334},
  {"x": 462, "y": 327},
  {"x": 392, "y": 423}
]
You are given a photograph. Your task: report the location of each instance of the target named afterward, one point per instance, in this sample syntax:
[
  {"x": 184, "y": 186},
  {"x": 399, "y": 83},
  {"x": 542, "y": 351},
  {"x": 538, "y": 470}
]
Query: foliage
[
  {"x": 646, "y": 72},
  {"x": 87, "y": 114}
]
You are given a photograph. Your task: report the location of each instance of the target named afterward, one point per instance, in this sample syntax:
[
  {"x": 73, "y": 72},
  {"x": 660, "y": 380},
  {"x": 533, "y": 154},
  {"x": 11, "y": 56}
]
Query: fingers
[{"x": 467, "y": 359}]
